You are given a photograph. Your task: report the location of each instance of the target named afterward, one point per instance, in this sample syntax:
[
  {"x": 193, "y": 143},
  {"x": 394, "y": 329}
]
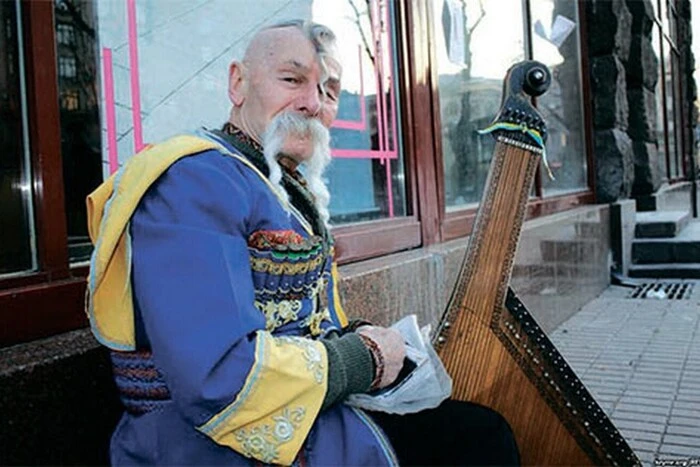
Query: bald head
[{"x": 290, "y": 66}]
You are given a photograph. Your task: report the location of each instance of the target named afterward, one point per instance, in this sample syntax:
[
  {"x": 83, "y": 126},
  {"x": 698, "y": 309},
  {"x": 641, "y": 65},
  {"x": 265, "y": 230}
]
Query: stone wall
[
  {"x": 609, "y": 34},
  {"x": 624, "y": 72},
  {"x": 642, "y": 73}
]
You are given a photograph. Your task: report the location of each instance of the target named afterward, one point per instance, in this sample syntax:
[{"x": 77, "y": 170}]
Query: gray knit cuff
[{"x": 350, "y": 368}]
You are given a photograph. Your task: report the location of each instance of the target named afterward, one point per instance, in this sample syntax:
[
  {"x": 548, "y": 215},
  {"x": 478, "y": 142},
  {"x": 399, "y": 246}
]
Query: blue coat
[{"x": 231, "y": 290}]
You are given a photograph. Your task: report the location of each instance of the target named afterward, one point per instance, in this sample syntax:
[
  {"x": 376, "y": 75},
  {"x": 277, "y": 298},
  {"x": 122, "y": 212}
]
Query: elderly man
[{"x": 213, "y": 283}]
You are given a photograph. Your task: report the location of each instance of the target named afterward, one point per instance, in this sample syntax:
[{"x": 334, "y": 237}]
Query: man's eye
[
  {"x": 332, "y": 96},
  {"x": 291, "y": 79}
]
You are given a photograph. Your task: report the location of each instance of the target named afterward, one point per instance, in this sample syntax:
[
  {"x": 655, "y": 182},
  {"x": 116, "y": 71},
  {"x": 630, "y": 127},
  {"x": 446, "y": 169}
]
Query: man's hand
[{"x": 391, "y": 346}]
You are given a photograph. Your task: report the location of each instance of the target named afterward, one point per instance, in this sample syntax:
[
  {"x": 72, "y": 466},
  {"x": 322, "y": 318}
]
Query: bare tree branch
[{"x": 358, "y": 15}]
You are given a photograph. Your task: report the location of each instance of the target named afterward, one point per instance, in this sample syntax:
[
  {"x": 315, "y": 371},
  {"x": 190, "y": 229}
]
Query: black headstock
[{"x": 517, "y": 118}]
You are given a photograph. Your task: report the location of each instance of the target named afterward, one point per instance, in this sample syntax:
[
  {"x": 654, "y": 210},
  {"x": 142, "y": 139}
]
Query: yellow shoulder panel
[{"x": 110, "y": 207}]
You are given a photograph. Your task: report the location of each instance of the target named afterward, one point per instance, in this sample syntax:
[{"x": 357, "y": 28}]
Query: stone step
[
  {"x": 660, "y": 224},
  {"x": 683, "y": 248},
  {"x": 666, "y": 270}
]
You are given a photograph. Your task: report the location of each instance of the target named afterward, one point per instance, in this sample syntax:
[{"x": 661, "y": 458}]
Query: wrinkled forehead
[{"x": 278, "y": 47}]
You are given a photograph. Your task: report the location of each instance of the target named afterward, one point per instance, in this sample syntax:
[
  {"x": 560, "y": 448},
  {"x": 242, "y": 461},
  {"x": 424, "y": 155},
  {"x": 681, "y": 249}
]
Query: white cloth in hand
[{"x": 423, "y": 388}]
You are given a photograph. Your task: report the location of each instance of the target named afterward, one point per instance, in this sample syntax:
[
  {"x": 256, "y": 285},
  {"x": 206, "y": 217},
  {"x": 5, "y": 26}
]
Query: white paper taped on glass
[{"x": 425, "y": 387}]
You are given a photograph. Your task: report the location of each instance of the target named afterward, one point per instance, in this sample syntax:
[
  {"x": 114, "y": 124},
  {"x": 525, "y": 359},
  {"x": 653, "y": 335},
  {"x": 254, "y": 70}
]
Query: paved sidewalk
[{"x": 641, "y": 360}]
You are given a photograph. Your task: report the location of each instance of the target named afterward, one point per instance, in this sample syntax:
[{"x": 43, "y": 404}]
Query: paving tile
[
  {"x": 685, "y": 413},
  {"x": 639, "y": 426},
  {"x": 695, "y": 406},
  {"x": 639, "y": 364},
  {"x": 688, "y": 396},
  {"x": 653, "y": 384},
  {"x": 649, "y": 393},
  {"x": 641, "y": 417},
  {"x": 649, "y": 401},
  {"x": 638, "y": 445},
  {"x": 642, "y": 436},
  {"x": 672, "y": 449},
  {"x": 659, "y": 375},
  {"x": 683, "y": 440},
  {"x": 682, "y": 430},
  {"x": 684, "y": 421},
  {"x": 689, "y": 387},
  {"x": 642, "y": 409}
]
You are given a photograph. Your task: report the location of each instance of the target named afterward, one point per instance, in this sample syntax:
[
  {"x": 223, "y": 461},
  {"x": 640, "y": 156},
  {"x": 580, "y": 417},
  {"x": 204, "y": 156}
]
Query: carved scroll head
[{"x": 523, "y": 81}]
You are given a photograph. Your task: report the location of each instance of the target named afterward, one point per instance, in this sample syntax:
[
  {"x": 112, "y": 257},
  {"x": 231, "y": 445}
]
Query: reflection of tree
[
  {"x": 80, "y": 125},
  {"x": 463, "y": 137},
  {"x": 358, "y": 22},
  {"x": 561, "y": 107},
  {"x": 376, "y": 37}
]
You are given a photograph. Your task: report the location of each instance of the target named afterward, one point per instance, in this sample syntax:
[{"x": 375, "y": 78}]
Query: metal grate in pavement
[{"x": 663, "y": 290}]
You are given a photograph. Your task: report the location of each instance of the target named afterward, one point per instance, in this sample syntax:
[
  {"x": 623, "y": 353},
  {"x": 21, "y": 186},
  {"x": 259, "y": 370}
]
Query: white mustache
[{"x": 296, "y": 125}]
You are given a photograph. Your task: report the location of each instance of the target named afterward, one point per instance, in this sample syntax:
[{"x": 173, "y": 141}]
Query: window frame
[
  {"x": 460, "y": 222},
  {"x": 666, "y": 23},
  {"x": 50, "y": 300},
  {"x": 28, "y": 302}
]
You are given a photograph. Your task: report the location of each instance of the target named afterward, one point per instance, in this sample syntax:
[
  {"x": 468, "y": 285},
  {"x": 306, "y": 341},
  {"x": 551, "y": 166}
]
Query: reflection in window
[
  {"x": 660, "y": 108},
  {"x": 80, "y": 125},
  {"x": 475, "y": 45},
  {"x": 64, "y": 34},
  {"x": 16, "y": 229},
  {"x": 66, "y": 67},
  {"x": 366, "y": 178},
  {"x": 70, "y": 100},
  {"x": 670, "y": 112},
  {"x": 555, "y": 43},
  {"x": 184, "y": 49}
]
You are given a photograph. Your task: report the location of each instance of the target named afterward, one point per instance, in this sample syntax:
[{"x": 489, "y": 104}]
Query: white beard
[{"x": 292, "y": 124}]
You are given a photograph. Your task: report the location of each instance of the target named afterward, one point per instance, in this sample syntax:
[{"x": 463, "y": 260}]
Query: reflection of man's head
[{"x": 285, "y": 95}]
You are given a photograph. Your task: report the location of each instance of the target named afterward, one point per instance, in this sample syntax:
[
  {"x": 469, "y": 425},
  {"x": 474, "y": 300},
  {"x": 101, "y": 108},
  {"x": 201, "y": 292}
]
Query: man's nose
[{"x": 310, "y": 102}]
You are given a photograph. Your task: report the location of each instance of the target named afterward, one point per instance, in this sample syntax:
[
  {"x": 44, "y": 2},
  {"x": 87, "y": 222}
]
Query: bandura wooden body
[{"x": 494, "y": 350}]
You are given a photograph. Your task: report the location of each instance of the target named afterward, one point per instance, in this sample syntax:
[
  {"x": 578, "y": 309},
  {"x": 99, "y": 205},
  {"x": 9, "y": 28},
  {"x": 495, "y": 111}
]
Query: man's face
[{"x": 282, "y": 73}]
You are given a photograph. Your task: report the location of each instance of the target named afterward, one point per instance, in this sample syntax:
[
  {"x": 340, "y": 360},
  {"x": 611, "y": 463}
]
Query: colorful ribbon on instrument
[{"x": 534, "y": 134}]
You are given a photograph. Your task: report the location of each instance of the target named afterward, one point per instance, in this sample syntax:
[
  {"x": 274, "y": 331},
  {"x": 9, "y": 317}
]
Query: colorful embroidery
[
  {"x": 256, "y": 423},
  {"x": 314, "y": 320},
  {"x": 312, "y": 355},
  {"x": 262, "y": 442},
  {"x": 282, "y": 240},
  {"x": 290, "y": 292},
  {"x": 266, "y": 265},
  {"x": 279, "y": 313}
]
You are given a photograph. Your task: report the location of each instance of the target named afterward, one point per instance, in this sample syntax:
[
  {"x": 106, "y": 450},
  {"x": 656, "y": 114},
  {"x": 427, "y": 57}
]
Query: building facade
[{"x": 85, "y": 84}]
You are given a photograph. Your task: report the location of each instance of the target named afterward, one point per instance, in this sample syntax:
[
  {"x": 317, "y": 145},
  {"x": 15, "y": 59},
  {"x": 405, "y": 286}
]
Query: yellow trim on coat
[
  {"x": 337, "y": 306},
  {"x": 109, "y": 303},
  {"x": 272, "y": 425}
]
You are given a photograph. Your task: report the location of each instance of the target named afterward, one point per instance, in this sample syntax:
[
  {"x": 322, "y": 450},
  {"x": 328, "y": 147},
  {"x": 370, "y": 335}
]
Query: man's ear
[{"x": 237, "y": 83}]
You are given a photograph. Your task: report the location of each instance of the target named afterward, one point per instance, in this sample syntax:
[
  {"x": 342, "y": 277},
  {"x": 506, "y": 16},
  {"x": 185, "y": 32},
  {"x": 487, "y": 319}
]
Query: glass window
[
  {"x": 178, "y": 81},
  {"x": 669, "y": 107},
  {"x": 660, "y": 108},
  {"x": 66, "y": 67},
  {"x": 64, "y": 34},
  {"x": 366, "y": 178},
  {"x": 78, "y": 86},
  {"x": 678, "y": 115},
  {"x": 475, "y": 44},
  {"x": 16, "y": 221},
  {"x": 555, "y": 41}
]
